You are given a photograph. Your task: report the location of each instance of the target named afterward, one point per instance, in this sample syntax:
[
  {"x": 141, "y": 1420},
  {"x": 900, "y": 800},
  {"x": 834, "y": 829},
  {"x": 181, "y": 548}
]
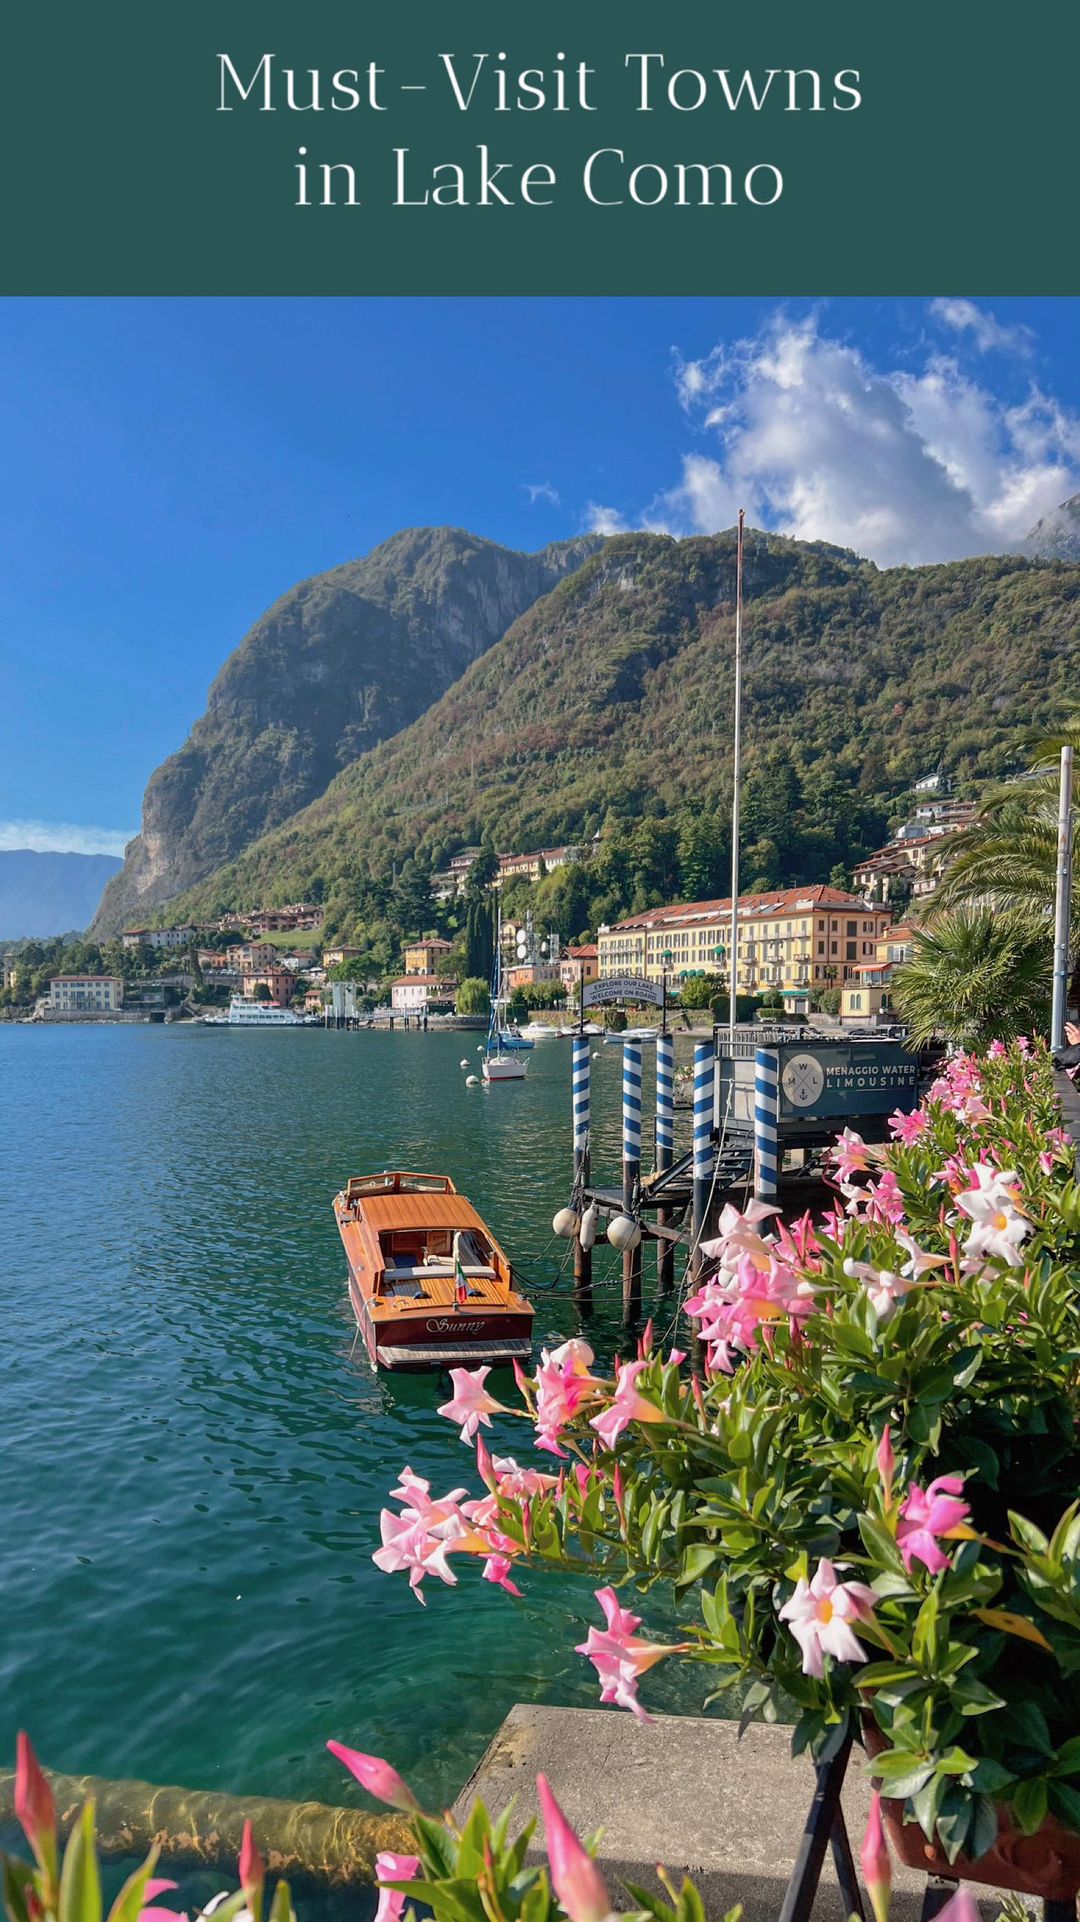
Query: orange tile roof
[{"x": 780, "y": 901}]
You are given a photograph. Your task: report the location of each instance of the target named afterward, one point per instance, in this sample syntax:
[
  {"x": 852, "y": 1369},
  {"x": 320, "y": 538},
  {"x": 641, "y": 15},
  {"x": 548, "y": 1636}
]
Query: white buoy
[
  {"x": 565, "y": 1223},
  {"x": 472, "y": 1080},
  {"x": 479, "y": 1047},
  {"x": 589, "y": 1222},
  {"x": 465, "y": 1063},
  {"x": 596, "y": 1054},
  {"x": 623, "y": 1233}
]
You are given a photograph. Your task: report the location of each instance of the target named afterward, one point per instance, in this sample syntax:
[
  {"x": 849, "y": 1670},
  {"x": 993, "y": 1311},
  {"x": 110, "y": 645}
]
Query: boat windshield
[{"x": 392, "y": 1183}]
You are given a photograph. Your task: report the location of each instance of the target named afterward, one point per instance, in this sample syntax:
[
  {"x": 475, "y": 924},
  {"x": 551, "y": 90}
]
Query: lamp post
[{"x": 736, "y": 793}]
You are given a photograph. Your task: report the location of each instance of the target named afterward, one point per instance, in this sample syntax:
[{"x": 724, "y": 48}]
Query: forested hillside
[{"x": 607, "y": 707}]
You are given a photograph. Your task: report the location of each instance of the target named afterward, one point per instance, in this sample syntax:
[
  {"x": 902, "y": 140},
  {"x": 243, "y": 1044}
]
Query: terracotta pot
[{"x": 1046, "y": 1864}]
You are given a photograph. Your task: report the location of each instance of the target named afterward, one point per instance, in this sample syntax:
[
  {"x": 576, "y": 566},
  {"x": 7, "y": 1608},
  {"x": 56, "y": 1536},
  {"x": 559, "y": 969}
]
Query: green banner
[{"x": 262, "y": 146}]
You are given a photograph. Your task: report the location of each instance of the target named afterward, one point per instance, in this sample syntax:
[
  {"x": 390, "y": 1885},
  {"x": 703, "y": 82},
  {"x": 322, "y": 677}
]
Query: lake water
[{"x": 194, "y": 1455}]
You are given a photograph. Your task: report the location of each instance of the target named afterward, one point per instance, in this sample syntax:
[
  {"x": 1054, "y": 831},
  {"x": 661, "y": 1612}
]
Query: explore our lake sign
[{"x": 622, "y": 987}]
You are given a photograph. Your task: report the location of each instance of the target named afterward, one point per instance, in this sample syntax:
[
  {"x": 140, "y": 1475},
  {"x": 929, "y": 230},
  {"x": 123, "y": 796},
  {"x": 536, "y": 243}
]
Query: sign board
[
  {"x": 343, "y": 1000},
  {"x": 820, "y": 1080},
  {"x": 622, "y": 987}
]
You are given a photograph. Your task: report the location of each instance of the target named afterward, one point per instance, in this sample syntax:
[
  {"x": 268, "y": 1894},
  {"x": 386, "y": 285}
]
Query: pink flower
[
  {"x": 998, "y": 1224},
  {"x": 738, "y": 1236},
  {"x": 35, "y": 1809},
  {"x": 850, "y": 1153},
  {"x": 926, "y": 1514},
  {"x": 884, "y": 1201},
  {"x": 731, "y": 1309},
  {"x": 884, "y": 1289},
  {"x": 619, "y": 1657},
  {"x": 574, "y": 1354},
  {"x": 562, "y": 1384},
  {"x": 820, "y": 1614},
  {"x": 918, "y": 1261},
  {"x": 470, "y": 1403},
  {"x": 677, "y": 1357},
  {"x": 497, "y": 1569},
  {"x": 252, "y": 1869},
  {"x": 907, "y": 1128},
  {"x": 515, "y": 1484},
  {"x": 627, "y": 1406},
  {"x": 575, "y": 1877},
  {"x": 156, "y": 1886},
  {"x": 409, "y": 1543},
  {"x": 376, "y": 1776},
  {"x": 876, "y": 1866},
  {"x": 996, "y": 1050},
  {"x": 393, "y": 1868}
]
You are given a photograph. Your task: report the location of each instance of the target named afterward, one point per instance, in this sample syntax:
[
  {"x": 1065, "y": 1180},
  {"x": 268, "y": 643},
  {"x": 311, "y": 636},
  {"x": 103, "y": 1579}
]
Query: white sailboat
[{"x": 501, "y": 1063}]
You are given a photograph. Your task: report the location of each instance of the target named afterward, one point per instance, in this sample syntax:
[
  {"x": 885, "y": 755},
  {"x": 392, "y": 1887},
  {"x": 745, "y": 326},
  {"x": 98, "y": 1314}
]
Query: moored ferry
[
  {"x": 429, "y": 1284},
  {"x": 261, "y": 1014}
]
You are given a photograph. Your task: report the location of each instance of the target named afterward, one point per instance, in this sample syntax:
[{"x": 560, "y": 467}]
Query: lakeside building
[
  {"x": 336, "y": 957},
  {"x": 532, "y": 867},
  {"x": 419, "y": 993},
  {"x": 159, "y": 938},
  {"x": 533, "y": 974},
  {"x": 254, "y": 955},
  {"x": 788, "y": 938},
  {"x": 579, "y": 964},
  {"x": 298, "y": 917},
  {"x": 423, "y": 956},
  {"x": 867, "y": 997},
  {"x": 215, "y": 958},
  {"x": 86, "y": 993},
  {"x": 280, "y": 983},
  {"x": 9, "y": 972}
]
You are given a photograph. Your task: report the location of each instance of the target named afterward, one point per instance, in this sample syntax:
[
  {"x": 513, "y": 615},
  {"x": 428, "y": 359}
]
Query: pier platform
[{"x": 684, "y": 1791}]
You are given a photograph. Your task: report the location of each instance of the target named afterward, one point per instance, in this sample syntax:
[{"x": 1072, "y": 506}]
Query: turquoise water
[{"x": 195, "y": 1457}]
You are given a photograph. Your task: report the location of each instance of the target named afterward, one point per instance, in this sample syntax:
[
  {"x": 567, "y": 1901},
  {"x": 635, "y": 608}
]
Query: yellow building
[
  {"x": 424, "y": 956},
  {"x": 869, "y": 992},
  {"x": 790, "y": 938}
]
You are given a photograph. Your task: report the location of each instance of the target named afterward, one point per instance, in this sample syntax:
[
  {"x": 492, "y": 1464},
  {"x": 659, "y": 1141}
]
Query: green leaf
[
  {"x": 1065, "y": 1803},
  {"x": 1027, "y": 1534},
  {"x": 972, "y": 1697},
  {"x": 1029, "y": 1805},
  {"x": 689, "y": 1907},
  {"x": 699, "y": 1557},
  {"x": 18, "y": 1883},
  {"x": 281, "y": 1909},
  {"x": 130, "y": 1899},
  {"x": 80, "y": 1882},
  {"x": 649, "y": 1904}
]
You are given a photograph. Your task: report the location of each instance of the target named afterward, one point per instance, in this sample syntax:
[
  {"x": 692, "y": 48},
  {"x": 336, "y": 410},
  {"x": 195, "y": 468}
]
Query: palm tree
[{"x": 978, "y": 974}]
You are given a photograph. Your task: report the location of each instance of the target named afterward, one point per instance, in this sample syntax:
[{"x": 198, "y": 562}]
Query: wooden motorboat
[{"x": 429, "y": 1284}]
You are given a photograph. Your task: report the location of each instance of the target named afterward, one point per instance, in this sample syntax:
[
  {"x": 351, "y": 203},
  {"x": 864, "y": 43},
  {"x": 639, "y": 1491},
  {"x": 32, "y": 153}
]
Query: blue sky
[{"x": 171, "y": 466}]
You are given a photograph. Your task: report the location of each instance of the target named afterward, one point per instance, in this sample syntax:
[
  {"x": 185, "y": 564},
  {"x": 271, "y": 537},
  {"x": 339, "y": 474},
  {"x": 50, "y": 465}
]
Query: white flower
[
  {"x": 999, "y": 1225},
  {"x": 820, "y": 1614}
]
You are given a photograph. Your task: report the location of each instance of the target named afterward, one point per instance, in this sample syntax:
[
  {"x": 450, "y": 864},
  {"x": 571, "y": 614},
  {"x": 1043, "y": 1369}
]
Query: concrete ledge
[{"x": 682, "y": 1790}]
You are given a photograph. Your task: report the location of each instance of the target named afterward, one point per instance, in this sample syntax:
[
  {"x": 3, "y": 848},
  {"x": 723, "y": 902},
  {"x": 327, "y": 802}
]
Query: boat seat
[{"x": 438, "y": 1269}]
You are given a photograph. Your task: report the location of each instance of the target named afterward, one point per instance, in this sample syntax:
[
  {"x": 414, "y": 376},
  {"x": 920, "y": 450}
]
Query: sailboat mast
[{"x": 736, "y": 795}]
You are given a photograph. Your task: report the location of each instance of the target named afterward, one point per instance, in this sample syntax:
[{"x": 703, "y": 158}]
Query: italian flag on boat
[{"x": 461, "y": 1285}]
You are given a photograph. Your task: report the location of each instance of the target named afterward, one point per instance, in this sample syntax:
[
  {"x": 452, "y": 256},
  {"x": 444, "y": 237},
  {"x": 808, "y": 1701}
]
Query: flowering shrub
[
  {"x": 865, "y": 1497},
  {"x": 476, "y": 1873}
]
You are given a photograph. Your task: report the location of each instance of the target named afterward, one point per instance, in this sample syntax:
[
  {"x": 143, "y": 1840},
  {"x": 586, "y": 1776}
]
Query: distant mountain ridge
[
  {"x": 611, "y": 698},
  {"x": 1056, "y": 537},
  {"x": 44, "y": 893},
  {"x": 337, "y": 664}
]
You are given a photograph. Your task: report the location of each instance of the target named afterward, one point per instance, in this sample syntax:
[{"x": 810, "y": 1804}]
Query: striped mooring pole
[
  {"x": 704, "y": 1083},
  {"x": 665, "y": 1150},
  {"x": 766, "y": 1132},
  {"x": 631, "y": 1170},
  {"x": 580, "y": 1068}
]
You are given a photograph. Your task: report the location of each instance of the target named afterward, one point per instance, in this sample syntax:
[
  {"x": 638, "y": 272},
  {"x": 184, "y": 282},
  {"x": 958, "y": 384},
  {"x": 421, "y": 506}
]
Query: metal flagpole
[
  {"x": 733, "y": 956},
  {"x": 1062, "y": 902}
]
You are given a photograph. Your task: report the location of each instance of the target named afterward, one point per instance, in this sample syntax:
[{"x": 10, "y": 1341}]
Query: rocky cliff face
[
  {"x": 339, "y": 663},
  {"x": 1057, "y": 536}
]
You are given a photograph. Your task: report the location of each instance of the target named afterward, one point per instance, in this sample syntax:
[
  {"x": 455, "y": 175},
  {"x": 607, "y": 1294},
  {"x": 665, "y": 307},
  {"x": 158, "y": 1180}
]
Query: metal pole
[
  {"x": 704, "y": 1084},
  {"x": 665, "y": 1149},
  {"x": 766, "y": 1131},
  {"x": 736, "y": 794},
  {"x": 631, "y": 1171},
  {"x": 1062, "y": 903},
  {"x": 580, "y": 1067}
]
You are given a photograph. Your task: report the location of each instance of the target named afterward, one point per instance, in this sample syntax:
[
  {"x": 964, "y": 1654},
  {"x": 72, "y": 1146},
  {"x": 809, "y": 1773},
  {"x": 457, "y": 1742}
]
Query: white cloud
[
  {"x": 63, "y": 837},
  {"x": 902, "y": 464},
  {"x": 541, "y": 491},
  {"x": 604, "y": 520},
  {"x": 985, "y": 329}
]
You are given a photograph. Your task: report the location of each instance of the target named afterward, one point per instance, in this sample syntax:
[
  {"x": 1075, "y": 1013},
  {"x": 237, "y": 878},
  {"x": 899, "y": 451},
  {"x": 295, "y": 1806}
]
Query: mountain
[
  {"x": 45, "y": 894},
  {"x": 611, "y": 699},
  {"x": 1056, "y": 537},
  {"x": 337, "y": 664}
]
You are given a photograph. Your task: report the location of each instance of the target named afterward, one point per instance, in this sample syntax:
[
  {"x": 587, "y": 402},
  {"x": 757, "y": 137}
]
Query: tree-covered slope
[
  {"x": 336, "y": 665},
  {"x": 611, "y": 698}
]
